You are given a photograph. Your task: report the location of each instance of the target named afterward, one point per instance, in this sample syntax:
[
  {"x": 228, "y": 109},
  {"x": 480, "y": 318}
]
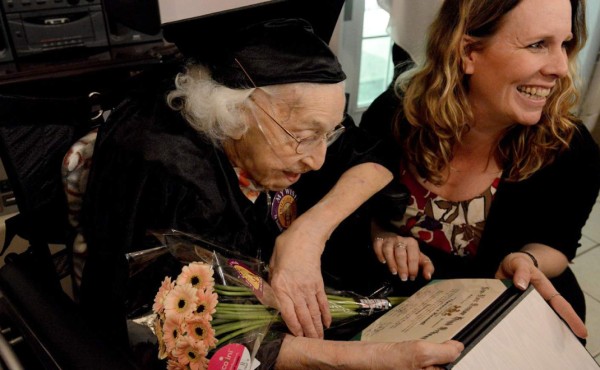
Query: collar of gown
[{"x": 247, "y": 185}]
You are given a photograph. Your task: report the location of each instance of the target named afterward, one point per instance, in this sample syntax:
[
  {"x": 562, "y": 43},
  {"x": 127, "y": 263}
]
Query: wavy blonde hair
[{"x": 435, "y": 103}]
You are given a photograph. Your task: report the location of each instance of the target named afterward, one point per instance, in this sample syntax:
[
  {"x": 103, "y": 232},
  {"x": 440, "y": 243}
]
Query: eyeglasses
[
  {"x": 304, "y": 145},
  {"x": 309, "y": 143}
]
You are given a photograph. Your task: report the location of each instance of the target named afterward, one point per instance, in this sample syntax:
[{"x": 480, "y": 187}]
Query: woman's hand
[
  {"x": 296, "y": 279},
  {"x": 520, "y": 268},
  {"x": 416, "y": 355},
  {"x": 296, "y": 261},
  {"x": 402, "y": 255}
]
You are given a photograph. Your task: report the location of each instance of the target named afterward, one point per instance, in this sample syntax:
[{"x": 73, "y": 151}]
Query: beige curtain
[
  {"x": 590, "y": 71},
  {"x": 590, "y": 109},
  {"x": 409, "y": 21}
]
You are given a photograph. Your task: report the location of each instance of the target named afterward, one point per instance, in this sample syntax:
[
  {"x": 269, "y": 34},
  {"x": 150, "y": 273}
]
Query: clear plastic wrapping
[{"x": 220, "y": 312}]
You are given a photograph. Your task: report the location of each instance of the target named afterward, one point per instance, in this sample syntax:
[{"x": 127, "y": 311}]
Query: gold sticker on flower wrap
[
  {"x": 284, "y": 209},
  {"x": 249, "y": 278}
]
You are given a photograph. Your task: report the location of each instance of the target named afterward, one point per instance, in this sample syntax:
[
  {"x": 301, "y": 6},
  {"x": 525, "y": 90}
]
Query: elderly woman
[
  {"x": 502, "y": 176},
  {"x": 219, "y": 155}
]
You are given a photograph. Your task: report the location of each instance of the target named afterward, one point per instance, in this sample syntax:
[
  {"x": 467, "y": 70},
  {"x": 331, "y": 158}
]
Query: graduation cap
[{"x": 274, "y": 41}]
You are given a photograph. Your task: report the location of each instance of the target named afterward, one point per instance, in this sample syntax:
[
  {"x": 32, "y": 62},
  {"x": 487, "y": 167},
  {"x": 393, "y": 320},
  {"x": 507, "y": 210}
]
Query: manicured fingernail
[
  {"x": 428, "y": 276},
  {"x": 521, "y": 284},
  {"x": 394, "y": 272},
  {"x": 383, "y": 261},
  {"x": 412, "y": 278},
  {"x": 403, "y": 277}
]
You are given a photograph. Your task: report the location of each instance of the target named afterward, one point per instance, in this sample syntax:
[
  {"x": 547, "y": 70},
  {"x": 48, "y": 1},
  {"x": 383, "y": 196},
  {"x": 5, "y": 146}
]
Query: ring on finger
[{"x": 401, "y": 245}]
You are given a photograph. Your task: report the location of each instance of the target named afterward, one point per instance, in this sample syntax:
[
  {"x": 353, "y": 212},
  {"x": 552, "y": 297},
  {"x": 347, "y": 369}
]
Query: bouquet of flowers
[
  {"x": 219, "y": 310},
  {"x": 184, "y": 310}
]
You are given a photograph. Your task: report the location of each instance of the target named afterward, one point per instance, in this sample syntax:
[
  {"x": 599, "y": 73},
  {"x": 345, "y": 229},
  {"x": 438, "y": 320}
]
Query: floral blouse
[{"x": 453, "y": 227}]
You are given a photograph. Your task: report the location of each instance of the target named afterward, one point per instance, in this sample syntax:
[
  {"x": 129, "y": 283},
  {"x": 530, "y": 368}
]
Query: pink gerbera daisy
[
  {"x": 173, "y": 364},
  {"x": 201, "y": 363},
  {"x": 172, "y": 331},
  {"x": 199, "y": 274},
  {"x": 163, "y": 291},
  {"x": 181, "y": 301},
  {"x": 199, "y": 329},
  {"x": 206, "y": 303},
  {"x": 158, "y": 330},
  {"x": 189, "y": 350}
]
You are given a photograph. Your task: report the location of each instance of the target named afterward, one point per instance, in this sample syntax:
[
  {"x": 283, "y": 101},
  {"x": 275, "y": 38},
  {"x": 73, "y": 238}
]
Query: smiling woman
[
  {"x": 494, "y": 159},
  {"x": 500, "y": 94}
]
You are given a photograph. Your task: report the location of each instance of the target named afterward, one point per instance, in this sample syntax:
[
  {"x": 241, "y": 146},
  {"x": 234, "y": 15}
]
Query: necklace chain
[{"x": 463, "y": 171}]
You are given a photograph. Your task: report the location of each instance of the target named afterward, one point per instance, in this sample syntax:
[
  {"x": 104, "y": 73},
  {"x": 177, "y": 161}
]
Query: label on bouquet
[
  {"x": 233, "y": 356},
  {"x": 252, "y": 280},
  {"x": 375, "y": 304}
]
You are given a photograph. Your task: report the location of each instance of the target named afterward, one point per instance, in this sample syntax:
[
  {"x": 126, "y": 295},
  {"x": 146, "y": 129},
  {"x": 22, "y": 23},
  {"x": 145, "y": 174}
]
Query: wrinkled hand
[
  {"x": 296, "y": 279},
  {"x": 306, "y": 353},
  {"x": 402, "y": 255},
  {"x": 522, "y": 271},
  {"x": 416, "y": 355}
]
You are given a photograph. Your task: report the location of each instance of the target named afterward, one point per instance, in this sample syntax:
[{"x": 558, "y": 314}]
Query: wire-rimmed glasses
[{"x": 303, "y": 145}]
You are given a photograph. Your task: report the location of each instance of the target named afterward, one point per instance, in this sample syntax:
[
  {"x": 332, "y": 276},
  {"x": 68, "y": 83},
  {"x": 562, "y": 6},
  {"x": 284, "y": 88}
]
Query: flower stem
[
  {"x": 235, "y": 325},
  {"x": 396, "y": 300},
  {"x": 243, "y": 316},
  {"x": 240, "y": 332},
  {"x": 233, "y": 293},
  {"x": 239, "y": 306}
]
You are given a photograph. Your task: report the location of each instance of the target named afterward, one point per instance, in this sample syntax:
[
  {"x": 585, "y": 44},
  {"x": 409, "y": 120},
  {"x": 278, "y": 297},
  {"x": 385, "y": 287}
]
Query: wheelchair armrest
[{"x": 52, "y": 324}]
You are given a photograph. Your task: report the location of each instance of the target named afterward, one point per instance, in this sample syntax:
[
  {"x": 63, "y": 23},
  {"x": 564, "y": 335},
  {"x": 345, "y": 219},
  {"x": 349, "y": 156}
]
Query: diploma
[
  {"x": 437, "y": 312},
  {"x": 501, "y": 327}
]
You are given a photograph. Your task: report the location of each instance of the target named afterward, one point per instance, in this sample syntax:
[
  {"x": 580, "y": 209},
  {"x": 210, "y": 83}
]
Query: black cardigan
[{"x": 551, "y": 207}]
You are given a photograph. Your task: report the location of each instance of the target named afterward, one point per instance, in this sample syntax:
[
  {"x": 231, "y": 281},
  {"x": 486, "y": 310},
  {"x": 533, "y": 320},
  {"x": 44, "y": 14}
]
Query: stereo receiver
[{"x": 36, "y": 26}]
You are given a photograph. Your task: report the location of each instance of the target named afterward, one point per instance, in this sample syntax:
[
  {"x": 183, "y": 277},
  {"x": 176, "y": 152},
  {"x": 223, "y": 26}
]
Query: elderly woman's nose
[{"x": 316, "y": 157}]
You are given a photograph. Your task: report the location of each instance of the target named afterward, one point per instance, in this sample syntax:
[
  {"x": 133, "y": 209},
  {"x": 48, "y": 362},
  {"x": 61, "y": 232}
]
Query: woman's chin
[{"x": 283, "y": 183}]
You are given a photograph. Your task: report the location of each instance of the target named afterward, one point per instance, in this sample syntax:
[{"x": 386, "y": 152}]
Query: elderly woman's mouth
[{"x": 292, "y": 176}]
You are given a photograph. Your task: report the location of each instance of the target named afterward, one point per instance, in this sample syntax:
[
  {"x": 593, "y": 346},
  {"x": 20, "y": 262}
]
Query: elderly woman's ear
[
  {"x": 238, "y": 134},
  {"x": 245, "y": 114}
]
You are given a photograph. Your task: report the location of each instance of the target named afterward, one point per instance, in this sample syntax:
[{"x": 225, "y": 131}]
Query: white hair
[
  {"x": 217, "y": 111},
  {"x": 209, "y": 107}
]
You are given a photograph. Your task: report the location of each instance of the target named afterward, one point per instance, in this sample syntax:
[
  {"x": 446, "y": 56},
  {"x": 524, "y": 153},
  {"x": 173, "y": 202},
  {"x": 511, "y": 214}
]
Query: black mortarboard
[
  {"x": 276, "y": 52},
  {"x": 276, "y": 42}
]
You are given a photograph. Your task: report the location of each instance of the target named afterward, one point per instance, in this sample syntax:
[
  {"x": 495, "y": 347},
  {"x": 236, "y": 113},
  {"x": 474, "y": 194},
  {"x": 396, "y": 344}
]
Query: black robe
[{"x": 152, "y": 171}]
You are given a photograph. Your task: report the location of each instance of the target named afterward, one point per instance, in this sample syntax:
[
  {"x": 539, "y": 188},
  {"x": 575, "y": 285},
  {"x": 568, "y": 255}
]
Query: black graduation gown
[{"x": 151, "y": 171}]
